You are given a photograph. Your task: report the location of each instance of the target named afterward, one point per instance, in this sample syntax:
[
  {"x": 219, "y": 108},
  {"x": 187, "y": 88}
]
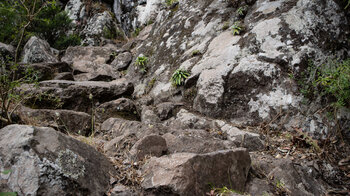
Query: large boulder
[
  {"x": 122, "y": 61},
  {"x": 38, "y": 51},
  {"x": 79, "y": 96},
  {"x": 43, "y": 161},
  {"x": 189, "y": 174},
  {"x": 67, "y": 121},
  {"x": 46, "y": 71},
  {"x": 91, "y": 61}
]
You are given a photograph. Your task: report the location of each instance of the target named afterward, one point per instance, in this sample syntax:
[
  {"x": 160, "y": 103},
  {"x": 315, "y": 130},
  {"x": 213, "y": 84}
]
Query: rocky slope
[{"x": 238, "y": 122}]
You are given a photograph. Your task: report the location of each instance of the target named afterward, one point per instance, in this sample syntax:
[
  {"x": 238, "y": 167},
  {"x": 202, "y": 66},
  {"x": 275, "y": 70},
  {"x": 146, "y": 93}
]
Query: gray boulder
[
  {"x": 153, "y": 145},
  {"x": 6, "y": 51},
  {"x": 120, "y": 108},
  {"x": 79, "y": 96},
  {"x": 38, "y": 51},
  {"x": 46, "y": 71},
  {"x": 189, "y": 174},
  {"x": 122, "y": 61},
  {"x": 67, "y": 121},
  {"x": 43, "y": 161}
]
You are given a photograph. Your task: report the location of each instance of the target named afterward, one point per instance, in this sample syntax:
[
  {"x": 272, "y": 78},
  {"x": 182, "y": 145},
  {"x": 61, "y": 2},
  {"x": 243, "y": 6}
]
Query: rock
[
  {"x": 91, "y": 60},
  {"x": 165, "y": 110},
  {"x": 47, "y": 162},
  {"x": 96, "y": 28},
  {"x": 122, "y": 61},
  {"x": 46, "y": 71},
  {"x": 64, "y": 76},
  {"x": 187, "y": 120},
  {"x": 66, "y": 121},
  {"x": 189, "y": 174},
  {"x": 79, "y": 96},
  {"x": 153, "y": 145},
  {"x": 38, "y": 51},
  {"x": 121, "y": 190},
  {"x": 95, "y": 77},
  {"x": 6, "y": 51},
  {"x": 194, "y": 141},
  {"x": 245, "y": 139},
  {"x": 120, "y": 108},
  {"x": 148, "y": 12},
  {"x": 148, "y": 116},
  {"x": 76, "y": 11}
]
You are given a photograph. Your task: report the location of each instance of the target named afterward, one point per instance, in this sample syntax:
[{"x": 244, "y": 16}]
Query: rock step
[{"x": 73, "y": 95}]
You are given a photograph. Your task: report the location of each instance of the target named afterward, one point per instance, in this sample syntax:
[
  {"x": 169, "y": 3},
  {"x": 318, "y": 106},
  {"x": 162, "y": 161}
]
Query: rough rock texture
[
  {"x": 122, "y": 107},
  {"x": 152, "y": 145},
  {"x": 241, "y": 78},
  {"x": 79, "y": 96},
  {"x": 47, "y": 71},
  {"x": 189, "y": 174},
  {"x": 43, "y": 161},
  {"x": 122, "y": 61},
  {"x": 67, "y": 121},
  {"x": 6, "y": 51},
  {"x": 91, "y": 60},
  {"x": 38, "y": 51}
]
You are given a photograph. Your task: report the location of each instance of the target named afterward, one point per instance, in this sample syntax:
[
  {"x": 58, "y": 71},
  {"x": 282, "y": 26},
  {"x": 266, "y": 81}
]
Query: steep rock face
[
  {"x": 43, "y": 161},
  {"x": 242, "y": 78}
]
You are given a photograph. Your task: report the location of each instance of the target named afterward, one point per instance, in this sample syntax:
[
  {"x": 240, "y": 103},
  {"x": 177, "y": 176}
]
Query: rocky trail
[{"x": 98, "y": 123}]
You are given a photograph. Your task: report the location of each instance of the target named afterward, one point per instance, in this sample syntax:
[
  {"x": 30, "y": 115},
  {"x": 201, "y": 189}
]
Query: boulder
[
  {"x": 148, "y": 116},
  {"x": 43, "y": 161},
  {"x": 6, "y": 51},
  {"x": 190, "y": 174},
  {"x": 46, "y": 71},
  {"x": 165, "y": 110},
  {"x": 67, "y": 121},
  {"x": 194, "y": 141},
  {"x": 76, "y": 11},
  {"x": 91, "y": 61},
  {"x": 38, "y": 51},
  {"x": 153, "y": 145},
  {"x": 64, "y": 76},
  {"x": 79, "y": 96},
  {"x": 122, "y": 61},
  {"x": 120, "y": 108}
]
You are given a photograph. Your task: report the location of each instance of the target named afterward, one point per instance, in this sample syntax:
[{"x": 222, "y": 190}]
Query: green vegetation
[
  {"x": 8, "y": 194},
  {"x": 237, "y": 28},
  {"x": 66, "y": 41},
  {"x": 170, "y": 2},
  {"x": 179, "y": 77},
  {"x": 241, "y": 11},
  {"x": 196, "y": 52},
  {"x": 136, "y": 32},
  {"x": 330, "y": 80},
  {"x": 10, "y": 98},
  {"x": 20, "y": 19},
  {"x": 223, "y": 191},
  {"x": 141, "y": 62}
]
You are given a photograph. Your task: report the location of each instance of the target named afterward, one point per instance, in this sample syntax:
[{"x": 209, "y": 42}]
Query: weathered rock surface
[
  {"x": 122, "y": 108},
  {"x": 79, "y": 96},
  {"x": 43, "y": 161},
  {"x": 122, "y": 61},
  {"x": 152, "y": 145},
  {"x": 38, "y": 51},
  {"x": 91, "y": 61},
  {"x": 189, "y": 174},
  {"x": 46, "y": 71},
  {"x": 67, "y": 121},
  {"x": 6, "y": 51}
]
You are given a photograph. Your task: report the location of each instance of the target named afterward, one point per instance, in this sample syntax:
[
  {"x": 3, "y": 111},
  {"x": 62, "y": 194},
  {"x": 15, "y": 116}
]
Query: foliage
[
  {"x": 179, "y": 77},
  {"x": 170, "y": 2},
  {"x": 236, "y": 28},
  {"x": 136, "y": 32},
  {"x": 8, "y": 194},
  {"x": 241, "y": 11},
  {"x": 141, "y": 62},
  {"x": 222, "y": 191},
  {"x": 67, "y": 40},
  {"x": 196, "y": 52},
  {"x": 330, "y": 80},
  {"x": 11, "y": 78}
]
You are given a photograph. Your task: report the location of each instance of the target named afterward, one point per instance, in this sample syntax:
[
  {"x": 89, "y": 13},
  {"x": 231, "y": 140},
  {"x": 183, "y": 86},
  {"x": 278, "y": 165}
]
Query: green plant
[
  {"x": 8, "y": 194},
  {"x": 241, "y": 11},
  {"x": 10, "y": 97},
  {"x": 66, "y": 41},
  {"x": 196, "y": 52},
  {"x": 136, "y": 32},
  {"x": 237, "y": 28},
  {"x": 141, "y": 62},
  {"x": 170, "y": 2},
  {"x": 222, "y": 191},
  {"x": 179, "y": 77}
]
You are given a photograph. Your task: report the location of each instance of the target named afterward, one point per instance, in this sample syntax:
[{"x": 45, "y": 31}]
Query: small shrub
[
  {"x": 237, "y": 28},
  {"x": 170, "y": 2},
  {"x": 68, "y": 40},
  {"x": 241, "y": 11},
  {"x": 141, "y": 62},
  {"x": 179, "y": 77},
  {"x": 136, "y": 32}
]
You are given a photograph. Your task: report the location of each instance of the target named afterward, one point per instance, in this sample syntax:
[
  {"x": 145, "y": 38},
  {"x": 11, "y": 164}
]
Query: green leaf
[
  {"x": 8, "y": 194},
  {"x": 7, "y": 171}
]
